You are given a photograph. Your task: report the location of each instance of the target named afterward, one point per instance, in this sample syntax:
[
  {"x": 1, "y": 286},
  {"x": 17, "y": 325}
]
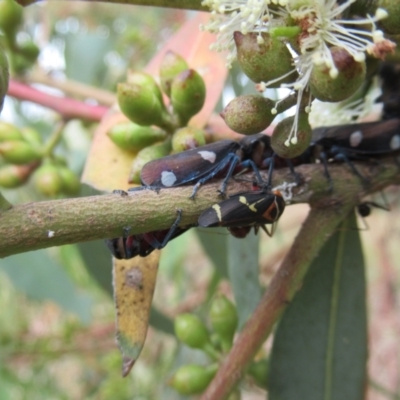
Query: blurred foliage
[
  {"x": 57, "y": 315},
  {"x": 326, "y": 321},
  {"x": 55, "y": 321}
]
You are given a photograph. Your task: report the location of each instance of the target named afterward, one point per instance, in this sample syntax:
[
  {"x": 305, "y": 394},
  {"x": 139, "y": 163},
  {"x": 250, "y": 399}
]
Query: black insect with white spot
[
  {"x": 364, "y": 139},
  {"x": 390, "y": 86},
  {"x": 197, "y": 166},
  {"x": 354, "y": 142},
  {"x": 341, "y": 143}
]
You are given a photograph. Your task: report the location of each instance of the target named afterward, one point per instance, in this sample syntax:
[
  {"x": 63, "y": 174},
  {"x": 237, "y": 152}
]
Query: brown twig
[
  {"x": 316, "y": 230},
  {"x": 73, "y": 88},
  {"x": 325, "y": 215},
  {"x": 54, "y": 223},
  {"x": 181, "y": 4}
]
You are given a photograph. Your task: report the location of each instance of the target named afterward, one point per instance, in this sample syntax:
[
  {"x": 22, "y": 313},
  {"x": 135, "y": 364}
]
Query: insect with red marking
[{"x": 143, "y": 244}]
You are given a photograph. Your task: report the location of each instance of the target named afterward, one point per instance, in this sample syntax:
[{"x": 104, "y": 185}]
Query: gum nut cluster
[
  {"x": 154, "y": 129},
  {"x": 315, "y": 48}
]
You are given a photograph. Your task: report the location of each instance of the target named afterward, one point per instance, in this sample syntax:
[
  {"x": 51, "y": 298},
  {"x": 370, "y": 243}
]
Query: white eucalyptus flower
[
  {"x": 321, "y": 27},
  {"x": 243, "y": 16},
  {"x": 347, "y": 112}
]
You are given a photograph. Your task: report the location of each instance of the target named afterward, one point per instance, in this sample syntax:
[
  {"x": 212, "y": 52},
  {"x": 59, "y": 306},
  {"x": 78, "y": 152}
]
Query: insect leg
[
  {"x": 122, "y": 247},
  {"x": 154, "y": 242},
  {"x": 256, "y": 170},
  {"x": 122, "y": 193},
  {"x": 231, "y": 159},
  {"x": 324, "y": 161},
  {"x": 119, "y": 247},
  {"x": 343, "y": 157},
  {"x": 297, "y": 177}
]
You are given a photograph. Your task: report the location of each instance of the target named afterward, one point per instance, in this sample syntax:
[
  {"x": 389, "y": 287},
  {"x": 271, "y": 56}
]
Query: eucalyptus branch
[
  {"x": 181, "y": 4},
  {"x": 53, "y": 223},
  {"x": 66, "y": 107},
  {"x": 327, "y": 212},
  {"x": 55, "y": 137},
  {"x": 73, "y": 88},
  {"x": 318, "y": 227},
  {"x": 4, "y": 204}
]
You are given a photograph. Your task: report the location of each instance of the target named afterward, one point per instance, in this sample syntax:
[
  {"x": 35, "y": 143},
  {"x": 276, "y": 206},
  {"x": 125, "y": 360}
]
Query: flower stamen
[{"x": 321, "y": 27}]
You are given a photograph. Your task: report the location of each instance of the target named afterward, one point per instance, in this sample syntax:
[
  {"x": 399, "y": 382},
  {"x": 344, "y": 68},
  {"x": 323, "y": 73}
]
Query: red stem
[{"x": 67, "y": 107}]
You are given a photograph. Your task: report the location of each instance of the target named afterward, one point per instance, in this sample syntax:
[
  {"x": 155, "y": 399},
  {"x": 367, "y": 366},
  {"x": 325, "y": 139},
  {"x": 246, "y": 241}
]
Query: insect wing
[
  {"x": 244, "y": 209},
  {"x": 158, "y": 239},
  {"x": 116, "y": 247},
  {"x": 390, "y": 86},
  {"x": 188, "y": 166},
  {"x": 127, "y": 247},
  {"x": 370, "y": 138},
  {"x": 143, "y": 244}
]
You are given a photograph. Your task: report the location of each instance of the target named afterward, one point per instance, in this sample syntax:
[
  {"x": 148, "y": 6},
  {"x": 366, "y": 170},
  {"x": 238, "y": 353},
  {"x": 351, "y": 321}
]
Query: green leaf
[
  {"x": 5, "y": 388},
  {"x": 243, "y": 272},
  {"x": 97, "y": 260},
  {"x": 42, "y": 278},
  {"x": 320, "y": 346},
  {"x": 173, "y": 255},
  {"x": 215, "y": 244}
]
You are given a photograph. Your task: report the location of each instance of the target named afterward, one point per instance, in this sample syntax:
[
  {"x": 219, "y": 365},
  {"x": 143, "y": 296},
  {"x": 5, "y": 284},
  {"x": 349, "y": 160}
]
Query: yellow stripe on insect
[
  {"x": 252, "y": 207},
  {"x": 217, "y": 209}
]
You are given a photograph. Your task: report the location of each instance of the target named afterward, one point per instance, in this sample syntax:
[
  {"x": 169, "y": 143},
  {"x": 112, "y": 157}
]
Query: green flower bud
[
  {"x": 188, "y": 93},
  {"x": 19, "y": 152},
  {"x": 70, "y": 182},
  {"x": 10, "y": 16},
  {"x": 259, "y": 371},
  {"x": 279, "y": 139},
  {"x": 263, "y": 58},
  {"x": 249, "y": 114},
  {"x": 171, "y": 65},
  {"x": 31, "y": 136},
  {"x": 29, "y": 50},
  {"x": 149, "y": 153},
  {"x": 190, "y": 330},
  {"x": 187, "y": 138},
  {"x": 145, "y": 81},
  {"x": 9, "y": 132},
  {"x": 192, "y": 379},
  {"x": 12, "y": 176},
  {"x": 48, "y": 180},
  {"x": 132, "y": 137},
  {"x": 142, "y": 106},
  {"x": 224, "y": 318},
  {"x": 340, "y": 81}
]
